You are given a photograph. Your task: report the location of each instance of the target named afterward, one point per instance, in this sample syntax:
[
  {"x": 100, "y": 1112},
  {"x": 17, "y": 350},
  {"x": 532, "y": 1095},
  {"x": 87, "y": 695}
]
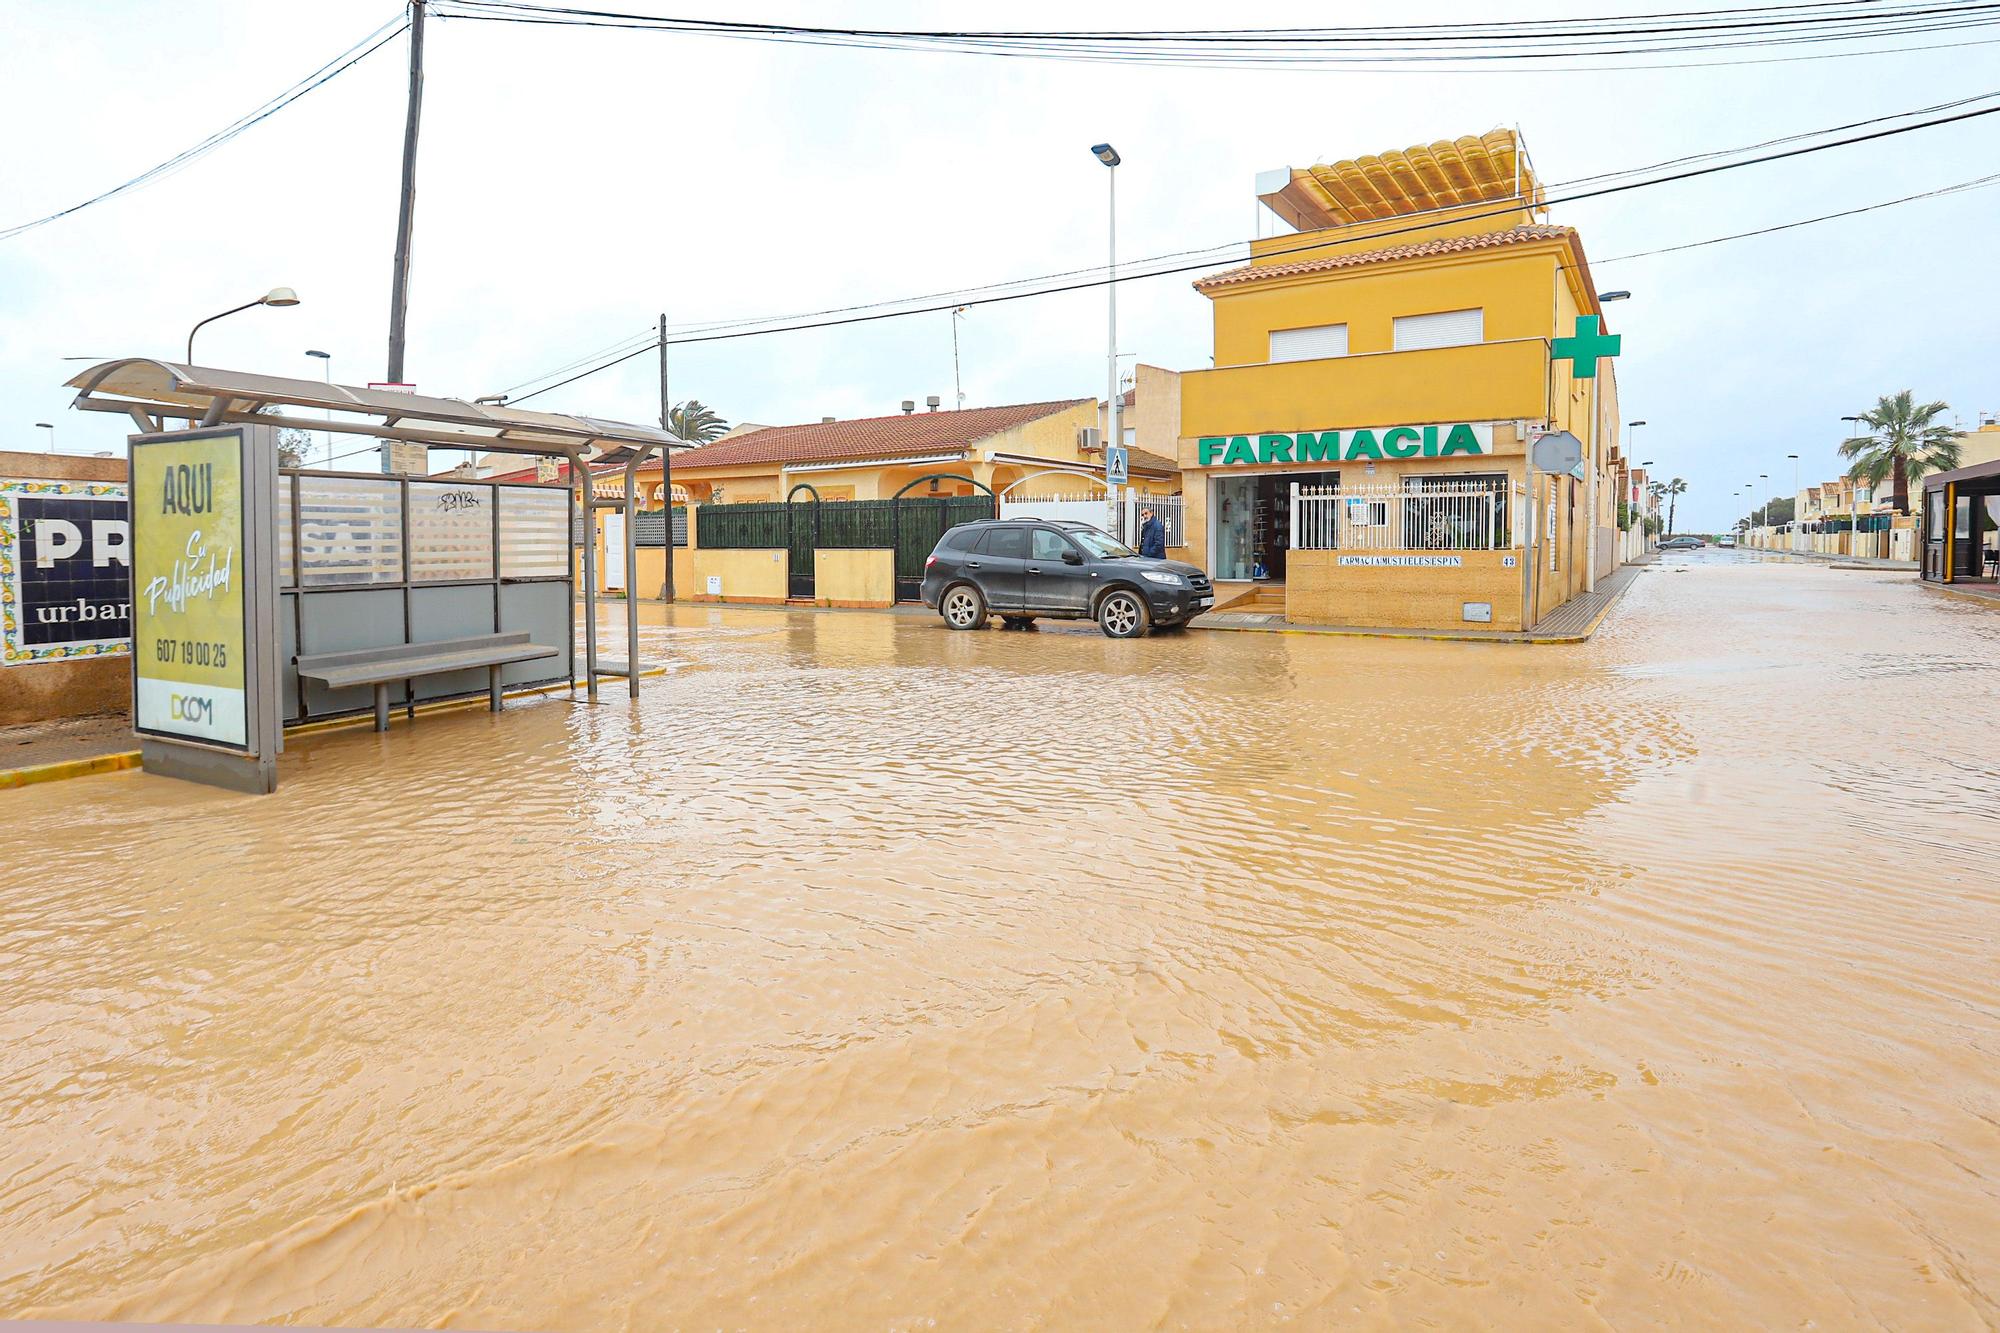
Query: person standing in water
[{"x": 1152, "y": 535}]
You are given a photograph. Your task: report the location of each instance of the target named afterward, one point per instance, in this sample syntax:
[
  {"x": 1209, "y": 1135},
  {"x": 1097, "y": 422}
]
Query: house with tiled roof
[{"x": 942, "y": 452}]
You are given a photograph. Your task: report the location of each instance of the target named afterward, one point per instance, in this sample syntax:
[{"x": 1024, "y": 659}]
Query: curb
[
  {"x": 129, "y": 759},
  {"x": 1434, "y": 636},
  {"x": 68, "y": 768}
]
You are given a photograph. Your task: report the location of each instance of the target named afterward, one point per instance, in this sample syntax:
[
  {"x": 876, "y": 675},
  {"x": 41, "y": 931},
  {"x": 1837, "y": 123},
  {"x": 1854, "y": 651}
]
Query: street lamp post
[
  {"x": 50, "y": 427},
  {"x": 1796, "y": 525},
  {"x": 1647, "y": 464},
  {"x": 1108, "y": 155},
  {"x": 326, "y": 365},
  {"x": 277, "y": 296},
  {"x": 1763, "y": 491},
  {"x": 1625, "y": 496},
  {"x": 1854, "y": 505}
]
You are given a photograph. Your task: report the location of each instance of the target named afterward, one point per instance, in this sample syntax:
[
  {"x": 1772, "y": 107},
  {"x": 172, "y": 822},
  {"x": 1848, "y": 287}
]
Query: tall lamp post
[
  {"x": 50, "y": 427},
  {"x": 1854, "y": 504},
  {"x": 325, "y": 360},
  {"x": 1625, "y": 496},
  {"x": 1794, "y": 543},
  {"x": 277, "y": 296},
  {"x": 1108, "y": 155},
  {"x": 1764, "y": 495}
]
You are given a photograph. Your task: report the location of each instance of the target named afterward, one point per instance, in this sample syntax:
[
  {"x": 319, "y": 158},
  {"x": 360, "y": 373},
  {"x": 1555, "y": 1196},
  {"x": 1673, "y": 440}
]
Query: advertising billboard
[
  {"x": 65, "y": 571},
  {"x": 190, "y": 663}
]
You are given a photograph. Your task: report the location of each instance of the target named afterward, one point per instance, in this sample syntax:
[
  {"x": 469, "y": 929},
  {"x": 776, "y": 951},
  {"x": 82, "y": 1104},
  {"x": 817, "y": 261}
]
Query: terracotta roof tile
[
  {"x": 1449, "y": 245},
  {"x": 905, "y": 435}
]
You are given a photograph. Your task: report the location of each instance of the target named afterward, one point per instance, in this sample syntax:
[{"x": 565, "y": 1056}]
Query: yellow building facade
[{"x": 1358, "y": 455}]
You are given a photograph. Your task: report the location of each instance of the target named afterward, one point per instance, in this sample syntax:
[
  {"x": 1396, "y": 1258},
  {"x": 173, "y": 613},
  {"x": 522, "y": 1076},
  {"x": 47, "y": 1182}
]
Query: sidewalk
[
  {"x": 1573, "y": 622},
  {"x": 1837, "y": 561},
  {"x": 66, "y": 748}
]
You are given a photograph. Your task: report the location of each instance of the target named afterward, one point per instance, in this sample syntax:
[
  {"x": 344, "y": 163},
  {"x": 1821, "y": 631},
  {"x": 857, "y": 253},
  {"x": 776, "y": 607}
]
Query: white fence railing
[
  {"x": 1119, "y": 516},
  {"x": 1448, "y": 516}
]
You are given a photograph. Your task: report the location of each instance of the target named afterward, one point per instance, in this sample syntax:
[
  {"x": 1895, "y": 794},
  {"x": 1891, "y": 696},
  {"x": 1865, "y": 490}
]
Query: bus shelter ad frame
[{"x": 204, "y": 605}]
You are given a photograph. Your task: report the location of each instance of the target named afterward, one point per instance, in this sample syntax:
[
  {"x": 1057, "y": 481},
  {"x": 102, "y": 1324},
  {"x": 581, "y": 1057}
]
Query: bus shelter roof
[{"x": 151, "y": 391}]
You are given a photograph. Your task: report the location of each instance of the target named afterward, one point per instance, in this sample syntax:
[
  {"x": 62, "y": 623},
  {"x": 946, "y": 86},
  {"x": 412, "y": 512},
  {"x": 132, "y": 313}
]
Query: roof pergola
[{"x": 152, "y": 391}]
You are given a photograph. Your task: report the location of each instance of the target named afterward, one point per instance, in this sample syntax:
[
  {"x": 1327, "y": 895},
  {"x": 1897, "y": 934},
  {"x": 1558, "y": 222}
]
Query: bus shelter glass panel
[
  {"x": 534, "y": 532},
  {"x": 288, "y": 573},
  {"x": 451, "y": 532},
  {"x": 350, "y": 531}
]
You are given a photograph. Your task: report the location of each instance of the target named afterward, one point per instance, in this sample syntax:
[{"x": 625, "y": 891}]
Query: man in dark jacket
[{"x": 1152, "y": 535}]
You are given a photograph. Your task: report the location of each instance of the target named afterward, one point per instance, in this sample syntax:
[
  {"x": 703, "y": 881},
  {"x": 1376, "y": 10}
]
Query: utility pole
[
  {"x": 399, "y": 285},
  {"x": 666, "y": 464},
  {"x": 957, "y": 387}
]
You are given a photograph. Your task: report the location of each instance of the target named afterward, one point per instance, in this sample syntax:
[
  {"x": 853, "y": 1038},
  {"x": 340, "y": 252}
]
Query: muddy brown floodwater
[{"x": 866, "y": 975}]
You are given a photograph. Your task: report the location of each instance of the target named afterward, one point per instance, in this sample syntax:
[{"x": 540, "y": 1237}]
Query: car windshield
[{"x": 1099, "y": 545}]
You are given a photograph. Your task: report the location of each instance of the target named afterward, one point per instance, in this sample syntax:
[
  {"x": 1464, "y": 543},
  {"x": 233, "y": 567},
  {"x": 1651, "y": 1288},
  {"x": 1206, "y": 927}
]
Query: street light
[
  {"x": 1620, "y": 295},
  {"x": 50, "y": 427},
  {"x": 1108, "y": 155},
  {"x": 277, "y": 296},
  {"x": 1854, "y": 504},
  {"x": 326, "y": 364},
  {"x": 1796, "y": 525},
  {"x": 1625, "y": 495}
]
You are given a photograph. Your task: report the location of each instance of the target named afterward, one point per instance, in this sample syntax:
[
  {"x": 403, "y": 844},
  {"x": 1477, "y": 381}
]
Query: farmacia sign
[{"x": 1334, "y": 446}]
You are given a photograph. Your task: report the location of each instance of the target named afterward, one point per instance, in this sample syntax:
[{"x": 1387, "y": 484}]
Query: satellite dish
[{"x": 1558, "y": 451}]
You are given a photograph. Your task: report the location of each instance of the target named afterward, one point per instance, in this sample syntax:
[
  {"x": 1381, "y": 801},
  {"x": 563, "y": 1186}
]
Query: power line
[
  {"x": 346, "y": 60},
  {"x": 1445, "y": 44},
  {"x": 1140, "y": 270},
  {"x": 1979, "y": 183}
]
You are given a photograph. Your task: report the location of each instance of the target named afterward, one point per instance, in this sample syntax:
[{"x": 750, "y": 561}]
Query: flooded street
[{"x": 866, "y": 975}]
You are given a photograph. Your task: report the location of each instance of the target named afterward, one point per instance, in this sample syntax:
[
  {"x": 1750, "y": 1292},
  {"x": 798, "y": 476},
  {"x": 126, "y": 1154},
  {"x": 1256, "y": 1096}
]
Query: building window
[
  {"x": 1309, "y": 344},
  {"x": 1449, "y": 328}
]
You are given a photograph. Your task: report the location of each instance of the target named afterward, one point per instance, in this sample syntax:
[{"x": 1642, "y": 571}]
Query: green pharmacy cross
[{"x": 1582, "y": 350}]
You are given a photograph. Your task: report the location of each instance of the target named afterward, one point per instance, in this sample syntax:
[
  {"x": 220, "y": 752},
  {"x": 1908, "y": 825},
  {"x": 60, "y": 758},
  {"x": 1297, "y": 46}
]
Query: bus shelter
[
  {"x": 265, "y": 595},
  {"x": 1961, "y": 527}
]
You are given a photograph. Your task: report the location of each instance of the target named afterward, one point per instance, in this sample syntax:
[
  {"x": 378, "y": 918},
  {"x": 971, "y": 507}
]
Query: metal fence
[
  {"x": 649, "y": 527},
  {"x": 736, "y": 527},
  {"x": 1432, "y": 516}
]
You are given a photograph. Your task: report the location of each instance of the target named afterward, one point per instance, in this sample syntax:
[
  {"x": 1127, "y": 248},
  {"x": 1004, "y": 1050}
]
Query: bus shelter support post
[{"x": 580, "y": 477}]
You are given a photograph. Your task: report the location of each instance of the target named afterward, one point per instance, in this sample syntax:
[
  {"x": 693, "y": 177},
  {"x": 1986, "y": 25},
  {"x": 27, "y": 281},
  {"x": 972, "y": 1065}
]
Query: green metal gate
[
  {"x": 801, "y": 540},
  {"x": 920, "y": 521}
]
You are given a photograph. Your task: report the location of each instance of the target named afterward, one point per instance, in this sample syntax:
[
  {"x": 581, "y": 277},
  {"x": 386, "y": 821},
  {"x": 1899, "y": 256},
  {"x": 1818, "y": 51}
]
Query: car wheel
[
  {"x": 962, "y": 607},
  {"x": 1122, "y": 615}
]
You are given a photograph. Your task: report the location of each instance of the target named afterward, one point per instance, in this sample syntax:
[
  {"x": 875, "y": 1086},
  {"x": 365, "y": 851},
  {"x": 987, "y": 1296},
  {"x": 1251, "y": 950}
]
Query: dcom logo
[{"x": 192, "y": 708}]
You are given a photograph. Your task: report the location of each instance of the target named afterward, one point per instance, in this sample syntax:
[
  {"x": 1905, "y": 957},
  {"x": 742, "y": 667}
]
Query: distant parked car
[
  {"x": 1726, "y": 540},
  {"x": 1682, "y": 544},
  {"x": 1022, "y": 569}
]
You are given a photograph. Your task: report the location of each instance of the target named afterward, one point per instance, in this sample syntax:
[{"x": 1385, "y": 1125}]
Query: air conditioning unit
[{"x": 1089, "y": 439}]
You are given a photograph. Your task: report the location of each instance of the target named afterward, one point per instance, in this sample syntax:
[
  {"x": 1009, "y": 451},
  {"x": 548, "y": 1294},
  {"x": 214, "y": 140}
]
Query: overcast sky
[{"x": 575, "y": 182}]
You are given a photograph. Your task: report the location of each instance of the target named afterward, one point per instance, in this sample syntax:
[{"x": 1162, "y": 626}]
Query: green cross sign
[{"x": 1583, "y": 350}]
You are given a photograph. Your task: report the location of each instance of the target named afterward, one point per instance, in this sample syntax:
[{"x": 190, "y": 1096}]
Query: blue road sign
[{"x": 1117, "y": 465}]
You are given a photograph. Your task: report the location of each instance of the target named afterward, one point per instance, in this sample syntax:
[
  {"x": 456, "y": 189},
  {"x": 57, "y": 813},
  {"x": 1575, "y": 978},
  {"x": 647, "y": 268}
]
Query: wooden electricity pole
[
  {"x": 667, "y": 462},
  {"x": 399, "y": 286}
]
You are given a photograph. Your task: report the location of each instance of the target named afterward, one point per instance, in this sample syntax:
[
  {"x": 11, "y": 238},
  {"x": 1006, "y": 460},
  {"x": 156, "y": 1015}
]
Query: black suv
[{"x": 1019, "y": 569}]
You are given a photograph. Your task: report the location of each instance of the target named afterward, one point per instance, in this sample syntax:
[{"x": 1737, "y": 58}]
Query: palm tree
[
  {"x": 1675, "y": 489},
  {"x": 693, "y": 421},
  {"x": 1903, "y": 438}
]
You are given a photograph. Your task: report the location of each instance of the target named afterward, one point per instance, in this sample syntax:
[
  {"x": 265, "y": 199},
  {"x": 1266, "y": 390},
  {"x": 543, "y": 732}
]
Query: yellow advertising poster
[{"x": 188, "y": 626}]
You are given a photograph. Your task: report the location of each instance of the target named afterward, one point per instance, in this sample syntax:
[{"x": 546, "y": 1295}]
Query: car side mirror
[{"x": 1072, "y": 557}]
